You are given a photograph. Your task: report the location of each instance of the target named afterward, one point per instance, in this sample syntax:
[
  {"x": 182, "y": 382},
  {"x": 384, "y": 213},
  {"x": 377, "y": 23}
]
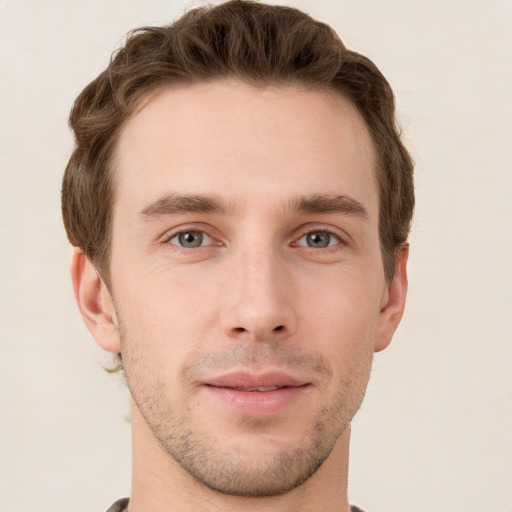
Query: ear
[
  {"x": 95, "y": 303},
  {"x": 393, "y": 302}
]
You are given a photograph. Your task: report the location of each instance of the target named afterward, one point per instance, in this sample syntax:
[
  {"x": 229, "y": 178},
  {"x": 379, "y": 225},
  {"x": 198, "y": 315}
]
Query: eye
[
  {"x": 191, "y": 239},
  {"x": 318, "y": 240}
]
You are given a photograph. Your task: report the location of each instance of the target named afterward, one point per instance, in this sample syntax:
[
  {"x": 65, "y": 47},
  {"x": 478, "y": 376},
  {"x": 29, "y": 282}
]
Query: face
[{"x": 247, "y": 278}]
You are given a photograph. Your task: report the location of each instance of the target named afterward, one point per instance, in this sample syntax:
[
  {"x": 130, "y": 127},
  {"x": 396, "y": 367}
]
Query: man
[{"x": 239, "y": 201}]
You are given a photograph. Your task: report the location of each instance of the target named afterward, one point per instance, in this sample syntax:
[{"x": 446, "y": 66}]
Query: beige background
[{"x": 435, "y": 430}]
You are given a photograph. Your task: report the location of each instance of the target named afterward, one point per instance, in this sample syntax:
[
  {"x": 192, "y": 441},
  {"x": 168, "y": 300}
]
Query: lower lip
[{"x": 257, "y": 403}]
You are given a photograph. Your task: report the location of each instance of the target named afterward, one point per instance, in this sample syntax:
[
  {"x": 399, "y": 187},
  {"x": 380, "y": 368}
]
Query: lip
[{"x": 256, "y": 395}]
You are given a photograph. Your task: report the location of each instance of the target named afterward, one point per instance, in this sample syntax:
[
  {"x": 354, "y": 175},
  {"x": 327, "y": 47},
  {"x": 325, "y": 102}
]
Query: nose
[{"x": 259, "y": 299}]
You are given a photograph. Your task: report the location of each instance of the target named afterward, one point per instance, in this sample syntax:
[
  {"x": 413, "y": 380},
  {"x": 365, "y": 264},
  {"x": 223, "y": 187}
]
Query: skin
[{"x": 266, "y": 282}]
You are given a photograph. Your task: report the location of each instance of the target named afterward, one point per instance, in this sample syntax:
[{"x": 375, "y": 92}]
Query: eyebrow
[
  {"x": 177, "y": 204},
  {"x": 325, "y": 204}
]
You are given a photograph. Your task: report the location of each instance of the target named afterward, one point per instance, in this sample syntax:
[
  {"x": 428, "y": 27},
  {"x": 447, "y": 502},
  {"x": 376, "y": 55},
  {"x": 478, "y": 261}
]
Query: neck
[{"x": 159, "y": 482}]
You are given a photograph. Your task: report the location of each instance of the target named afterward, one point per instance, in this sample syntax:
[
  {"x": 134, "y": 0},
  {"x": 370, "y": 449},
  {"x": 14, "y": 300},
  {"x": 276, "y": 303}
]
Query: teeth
[{"x": 261, "y": 388}]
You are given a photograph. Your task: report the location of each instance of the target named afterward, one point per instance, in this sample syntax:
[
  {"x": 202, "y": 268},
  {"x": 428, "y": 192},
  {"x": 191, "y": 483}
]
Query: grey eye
[
  {"x": 191, "y": 239},
  {"x": 318, "y": 240}
]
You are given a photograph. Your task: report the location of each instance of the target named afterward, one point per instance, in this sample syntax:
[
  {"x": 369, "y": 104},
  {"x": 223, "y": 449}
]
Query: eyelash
[
  {"x": 323, "y": 231},
  {"x": 339, "y": 239},
  {"x": 189, "y": 231}
]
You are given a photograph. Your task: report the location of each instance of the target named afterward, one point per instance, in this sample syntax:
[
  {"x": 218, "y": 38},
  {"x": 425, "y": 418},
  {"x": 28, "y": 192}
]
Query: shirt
[{"x": 120, "y": 505}]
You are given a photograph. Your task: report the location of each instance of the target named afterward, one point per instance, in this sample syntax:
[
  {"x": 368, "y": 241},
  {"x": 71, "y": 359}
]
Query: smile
[
  {"x": 256, "y": 395},
  {"x": 261, "y": 388}
]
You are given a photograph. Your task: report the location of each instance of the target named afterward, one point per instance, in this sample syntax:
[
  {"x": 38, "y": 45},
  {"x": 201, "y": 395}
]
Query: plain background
[{"x": 435, "y": 430}]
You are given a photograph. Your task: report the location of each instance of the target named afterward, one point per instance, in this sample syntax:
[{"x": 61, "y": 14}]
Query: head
[
  {"x": 239, "y": 185},
  {"x": 258, "y": 44}
]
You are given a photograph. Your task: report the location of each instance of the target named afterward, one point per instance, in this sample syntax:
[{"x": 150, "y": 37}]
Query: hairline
[{"x": 145, "y": 97}]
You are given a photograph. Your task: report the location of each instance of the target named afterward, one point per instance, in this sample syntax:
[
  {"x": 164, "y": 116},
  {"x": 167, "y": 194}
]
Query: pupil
[
  {"x": 319, "y": 239},
  {"x": 191, "y": 239}
]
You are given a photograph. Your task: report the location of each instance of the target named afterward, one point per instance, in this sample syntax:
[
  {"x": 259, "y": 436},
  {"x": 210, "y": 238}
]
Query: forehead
[{"x": 232, "y": 139}]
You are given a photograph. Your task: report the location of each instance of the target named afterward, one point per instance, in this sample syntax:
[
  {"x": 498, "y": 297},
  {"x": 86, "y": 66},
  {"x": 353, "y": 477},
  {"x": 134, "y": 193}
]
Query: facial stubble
[{"x": 223, "y": 465}]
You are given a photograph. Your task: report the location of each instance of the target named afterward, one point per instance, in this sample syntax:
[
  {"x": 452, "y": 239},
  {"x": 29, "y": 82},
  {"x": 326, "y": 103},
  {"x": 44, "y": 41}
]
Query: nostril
[
  {"x": 278, "y": 328},
  {"x": 240, "y": 329}
]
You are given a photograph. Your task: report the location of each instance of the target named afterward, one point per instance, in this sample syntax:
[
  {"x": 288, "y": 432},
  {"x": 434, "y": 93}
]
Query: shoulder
[{"x": 120, "y": 505}]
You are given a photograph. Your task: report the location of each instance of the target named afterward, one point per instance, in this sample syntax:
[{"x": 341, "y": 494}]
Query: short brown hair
[{"x": 257, "y": 43}]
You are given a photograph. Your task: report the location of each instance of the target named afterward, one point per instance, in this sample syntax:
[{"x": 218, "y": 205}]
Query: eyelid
[
  {"x": 185, "y": 228},
  {"x": 206, "y": 238},
  {"x": 333, "y": 238},
  {"x": 341, "y": 235}
]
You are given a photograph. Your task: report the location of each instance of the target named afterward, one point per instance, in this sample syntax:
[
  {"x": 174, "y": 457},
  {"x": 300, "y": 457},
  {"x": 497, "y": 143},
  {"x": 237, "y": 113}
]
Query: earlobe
[
  {"x": 94, "y": 302},
  {"x": 394, "y": 303}
]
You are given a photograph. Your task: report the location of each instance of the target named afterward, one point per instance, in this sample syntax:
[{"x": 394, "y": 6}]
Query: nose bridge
[
  {"x": 261, "y": 276},
  {"x": 259, "y": 304}
]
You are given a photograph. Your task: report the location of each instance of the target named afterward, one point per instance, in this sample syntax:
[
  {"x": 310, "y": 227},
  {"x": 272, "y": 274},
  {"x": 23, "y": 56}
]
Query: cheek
[
  {"x": 343, "y": 322},
  {"x": 170, "y": 314},
  {"x": 345, "y": 303}
]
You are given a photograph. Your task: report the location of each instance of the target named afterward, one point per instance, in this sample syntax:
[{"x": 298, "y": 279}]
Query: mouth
[
  {"x": 259, "y": 388},
  {"x": 256, "y": 395}
]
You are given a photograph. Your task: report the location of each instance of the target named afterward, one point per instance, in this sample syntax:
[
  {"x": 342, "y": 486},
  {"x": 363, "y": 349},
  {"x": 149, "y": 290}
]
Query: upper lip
[{"x": 244, "y": 380}]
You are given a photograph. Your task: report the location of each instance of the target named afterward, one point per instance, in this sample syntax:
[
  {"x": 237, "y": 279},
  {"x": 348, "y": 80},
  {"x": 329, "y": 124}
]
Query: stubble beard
[
  {"x": 238, "y": 474},
  {"x": 227, "y": 469}
]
